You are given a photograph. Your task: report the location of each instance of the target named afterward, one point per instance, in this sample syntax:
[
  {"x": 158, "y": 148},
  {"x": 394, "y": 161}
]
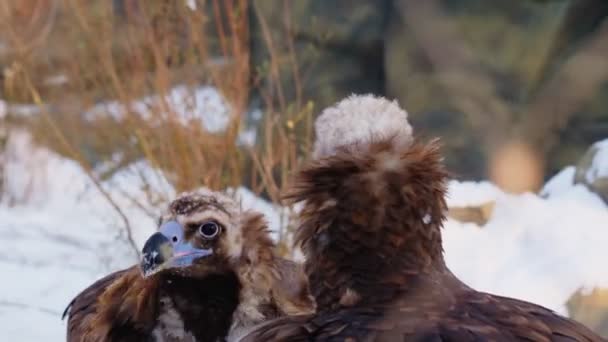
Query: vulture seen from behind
[
  {"x": 208, "y": 274},
  {"x": 370, "y": 229}
]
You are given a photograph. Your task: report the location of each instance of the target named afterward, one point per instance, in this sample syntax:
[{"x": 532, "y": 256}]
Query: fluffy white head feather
[{"x": 360, "y": 119}]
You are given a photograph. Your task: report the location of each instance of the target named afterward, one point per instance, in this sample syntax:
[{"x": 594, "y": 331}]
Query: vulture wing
[
  {"x": 479, "y": 317},
  {"x": 83, "y": 309}
]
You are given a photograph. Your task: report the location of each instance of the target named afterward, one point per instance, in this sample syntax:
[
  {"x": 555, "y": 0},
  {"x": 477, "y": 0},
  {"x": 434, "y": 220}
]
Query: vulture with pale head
[
  {"x": 208, "y": 274},
  {"x": 370, "y": 230}
]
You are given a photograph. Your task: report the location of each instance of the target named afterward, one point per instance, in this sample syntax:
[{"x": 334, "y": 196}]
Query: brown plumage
[
  {"x": 211, "y": 298},
  {"x": 370, "y": 230}
]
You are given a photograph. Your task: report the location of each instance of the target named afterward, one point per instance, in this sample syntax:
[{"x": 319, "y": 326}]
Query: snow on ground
[
  {"x": 204, "y": 105},
  {"x": 61, "y": 237},
  {"x": 2, "y": 109},
  {"x": 57, "y": 241},
  {"x": 537, "y": 249},
  {"x": 184, "y": 104},
  {"x": 191, "y": 4},
  {"x": 599, "y": 166},
  {"x": 560, "y": 183}
]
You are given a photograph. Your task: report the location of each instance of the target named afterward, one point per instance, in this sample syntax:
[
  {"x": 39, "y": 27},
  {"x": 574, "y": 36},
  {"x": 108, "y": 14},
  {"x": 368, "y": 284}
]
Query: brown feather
[
  {"x": 370, "y": 229},
  {"x": 125, "y": 307}
]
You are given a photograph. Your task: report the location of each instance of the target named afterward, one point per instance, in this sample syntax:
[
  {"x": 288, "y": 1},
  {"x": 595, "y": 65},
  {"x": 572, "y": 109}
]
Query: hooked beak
[{"x": 167, "y": 249}]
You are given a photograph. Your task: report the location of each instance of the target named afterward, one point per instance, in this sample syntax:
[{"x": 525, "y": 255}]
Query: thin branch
[
  {"x": 274, "y": 59},
  {"x": 76, "y": 156},
  {"x": 30, "y": 307},
  {"x": 291, "y": 52},
  {"x": 36, "y": 38}
]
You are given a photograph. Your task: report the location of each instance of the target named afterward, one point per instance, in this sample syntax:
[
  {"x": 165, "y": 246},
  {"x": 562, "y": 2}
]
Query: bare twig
[
  {"x": 274, "y": 79},
  {"x": 18, "y": 305},
  {"x": 292, "y": 54},
  {"x": 33, "y": 39},
  {"x": 76, "y": 156}
]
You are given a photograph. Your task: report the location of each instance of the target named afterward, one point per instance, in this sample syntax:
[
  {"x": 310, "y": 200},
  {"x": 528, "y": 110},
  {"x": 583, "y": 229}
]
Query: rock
[
  {"x": 592, "y": 169},
  {"x": 591, "y": 309},
  {"x": 478, "y": 214}
]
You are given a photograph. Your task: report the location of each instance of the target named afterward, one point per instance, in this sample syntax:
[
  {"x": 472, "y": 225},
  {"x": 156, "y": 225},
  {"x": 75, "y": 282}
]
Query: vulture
[
  {"x": 373, "y": 203},
  {"x": 207, "y": 274}
]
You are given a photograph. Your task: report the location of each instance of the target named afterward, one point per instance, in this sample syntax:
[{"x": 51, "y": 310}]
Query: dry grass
[{"x": 149, "y": 49}]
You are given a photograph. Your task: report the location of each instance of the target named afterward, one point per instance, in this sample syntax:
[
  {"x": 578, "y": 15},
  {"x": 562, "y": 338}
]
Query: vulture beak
[{"x": 167, "y": 249}]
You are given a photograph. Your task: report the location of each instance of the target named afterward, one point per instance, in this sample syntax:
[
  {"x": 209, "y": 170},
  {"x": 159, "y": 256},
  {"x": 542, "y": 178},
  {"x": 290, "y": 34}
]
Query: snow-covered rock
[{"x": 592, "y": 169}]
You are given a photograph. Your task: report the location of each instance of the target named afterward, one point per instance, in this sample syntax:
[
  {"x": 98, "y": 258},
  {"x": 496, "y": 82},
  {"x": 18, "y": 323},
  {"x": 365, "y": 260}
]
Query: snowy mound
[
  {"x": 55, "y": 240},
  {"x": 598, "y": 167},
  {"x": 533, "y": 248}
]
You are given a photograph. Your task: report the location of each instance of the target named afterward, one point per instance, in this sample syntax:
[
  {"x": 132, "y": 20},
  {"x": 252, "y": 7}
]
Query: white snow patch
[
  {"x": 191, "y": 4},
  {"x": 561, "y": 187},
  {"x": 540, "y": 250},
  {"x": 2, "y": 109},
  {"x": 22, "y": 110},
  {"x": 561, "y": 182},
  {"x": 247, "y": 137},
  {"x": 37, "y": 176},
  {"x": 56, "y": 80},
  {"x": 58, "y": 234},
  {"x": 599, "y": 166},
  {"x": 186, "y": 105}
]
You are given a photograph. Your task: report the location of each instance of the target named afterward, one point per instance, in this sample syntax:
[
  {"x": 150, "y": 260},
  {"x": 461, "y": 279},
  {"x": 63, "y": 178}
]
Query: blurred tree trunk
[
  {"x": 582, "y": 19},
  {"x": 565, "y": 93},
  {"x": 515, "y": 136}
]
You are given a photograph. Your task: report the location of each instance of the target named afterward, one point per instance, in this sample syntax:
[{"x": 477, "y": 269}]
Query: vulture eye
[{"x": 209, "y": 230}]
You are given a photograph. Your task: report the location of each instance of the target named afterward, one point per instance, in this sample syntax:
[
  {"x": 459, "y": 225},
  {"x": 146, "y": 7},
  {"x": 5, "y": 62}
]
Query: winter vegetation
[{"x": 106, "y": 114}]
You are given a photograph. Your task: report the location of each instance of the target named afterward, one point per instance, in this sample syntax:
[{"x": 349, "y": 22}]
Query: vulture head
[
  {"x": 209, "y": 272},
  {"x": 373, "y": 203},
  {"x": 205, "y": 233}
]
